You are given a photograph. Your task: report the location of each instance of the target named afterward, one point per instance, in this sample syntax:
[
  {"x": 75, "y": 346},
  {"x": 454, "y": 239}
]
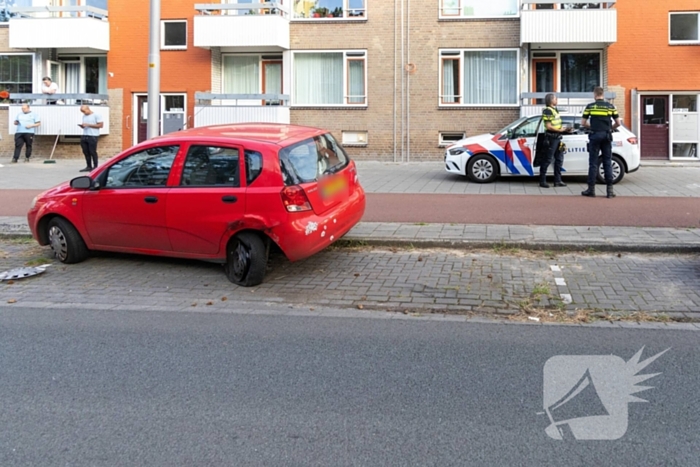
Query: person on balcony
[
  {"x": 91, "y": 125},
  {"x": 26, "y": 122},
  {"x": 49, "y": 87}
]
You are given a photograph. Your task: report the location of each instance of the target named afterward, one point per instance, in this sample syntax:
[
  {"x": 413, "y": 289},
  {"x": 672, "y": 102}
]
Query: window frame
[
  {"x": 345, "y": 17},
  {"x": 163, "y": 22},
  {"x": 34, "y": 72},
  {"x": 461, "y": 16},
  {"x": 460, "y": 58},
  {"x": 443, "y": 142},
  {"x": 348, "y": 55},
  {"x": 683, "y": 42}
]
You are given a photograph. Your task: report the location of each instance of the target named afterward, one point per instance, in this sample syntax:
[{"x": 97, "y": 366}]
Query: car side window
[
  {"x": 527, "y": 129},
  {"x": 253, "y": 166},
  {"x": 573, "y": 122},
  {"x": 148, "y": 168},
  {"x": 211, "y": 166}
]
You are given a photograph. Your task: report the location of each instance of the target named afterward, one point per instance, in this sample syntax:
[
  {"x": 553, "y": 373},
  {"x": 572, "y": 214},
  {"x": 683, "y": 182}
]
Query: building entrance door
[
  {"x": 544, "y": 77},
  {"x": 653, "y": 132}
]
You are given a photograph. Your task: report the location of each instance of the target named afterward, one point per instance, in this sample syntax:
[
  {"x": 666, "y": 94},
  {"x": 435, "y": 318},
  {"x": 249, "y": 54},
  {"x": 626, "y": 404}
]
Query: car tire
[
  {"x": 618, "y": 167},
  {"x": 67, "y": 244},
  {"x": 246, "y": 259},
  {"x": 482, "y": 168}
]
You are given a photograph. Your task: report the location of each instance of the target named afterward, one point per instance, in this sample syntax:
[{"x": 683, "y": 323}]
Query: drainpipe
[
  {"x": 408, "y": 81},
  {"x": 394, "y": 102},
  {"x": 154, "y": 71},
  {"x": 403, "y": 82}
]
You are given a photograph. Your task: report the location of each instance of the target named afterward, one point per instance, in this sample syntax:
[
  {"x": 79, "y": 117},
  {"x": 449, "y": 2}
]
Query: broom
[{"x": 50, "y": 159}]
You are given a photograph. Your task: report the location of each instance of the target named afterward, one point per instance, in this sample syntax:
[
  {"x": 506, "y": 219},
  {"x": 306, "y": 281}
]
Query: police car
[{"x": 511, "y": 151}]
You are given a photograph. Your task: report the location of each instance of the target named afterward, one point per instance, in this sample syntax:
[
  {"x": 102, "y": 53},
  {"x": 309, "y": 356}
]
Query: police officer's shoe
[
  {"x": 590, "y": 192},
  {"x": 611, "y": 193},
  {"x": 559, "y": 184},
  {"x": 544, "y": 185}
]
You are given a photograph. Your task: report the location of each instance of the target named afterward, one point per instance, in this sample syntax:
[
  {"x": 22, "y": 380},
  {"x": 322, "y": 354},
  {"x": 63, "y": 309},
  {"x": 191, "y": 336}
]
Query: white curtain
[
  {"x": 490, "y": 77},
  {"x": 356, "y": 73},
  {"x": 318, "y": 78},
  {"x": 448, "y": 81},
  {"x": 241, "y": 75},
  {"x": 273, "y": 78},
  {"x": 72, "y": 77}
]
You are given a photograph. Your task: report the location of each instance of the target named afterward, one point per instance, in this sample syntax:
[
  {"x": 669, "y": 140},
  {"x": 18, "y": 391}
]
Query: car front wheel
[
  {"x": 482, "y": 169},
  {"x": 618, "y": 170},
  {"x": 66, "y": 242},
  {"x": 246, "y": 259}
]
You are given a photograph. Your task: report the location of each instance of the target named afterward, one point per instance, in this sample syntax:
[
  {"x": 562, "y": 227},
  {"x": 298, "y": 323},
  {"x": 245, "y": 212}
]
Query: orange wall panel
[
  {"x": 181, "y": 71},
  {"x": 642, "y": 57}
]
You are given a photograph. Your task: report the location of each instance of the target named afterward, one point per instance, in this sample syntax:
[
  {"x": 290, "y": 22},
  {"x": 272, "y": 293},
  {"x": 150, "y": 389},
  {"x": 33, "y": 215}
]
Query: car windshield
[
  {"x": 510, "y": 125},
  {"x": 311, "y": 159}
]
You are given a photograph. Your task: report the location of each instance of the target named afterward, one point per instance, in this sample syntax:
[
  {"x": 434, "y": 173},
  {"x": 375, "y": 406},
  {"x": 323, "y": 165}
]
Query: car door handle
[
  {"x": 229, "y": 199},
  {"x": 151, "y": 199}
]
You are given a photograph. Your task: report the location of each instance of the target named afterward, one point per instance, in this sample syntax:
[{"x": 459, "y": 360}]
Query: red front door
[{"x": 654, "y": 127}]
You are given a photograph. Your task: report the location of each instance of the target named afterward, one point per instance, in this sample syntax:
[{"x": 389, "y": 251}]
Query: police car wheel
[
  {"x": 482, "y": 168},
  {"x": 618, "y": 169}
]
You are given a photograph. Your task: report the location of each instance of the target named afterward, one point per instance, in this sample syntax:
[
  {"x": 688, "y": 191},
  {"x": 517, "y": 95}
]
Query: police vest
[
  {"x": 600, "y": 112},
  {"x": 551, "y": 114}
]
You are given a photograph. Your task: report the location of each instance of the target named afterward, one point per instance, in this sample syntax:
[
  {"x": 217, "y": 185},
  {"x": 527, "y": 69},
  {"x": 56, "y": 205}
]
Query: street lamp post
[{"x": 153, "y": 125}]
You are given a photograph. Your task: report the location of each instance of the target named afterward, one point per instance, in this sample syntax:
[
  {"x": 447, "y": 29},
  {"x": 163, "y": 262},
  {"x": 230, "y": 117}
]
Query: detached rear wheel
[
  {"x": 67, "y": 244},
  {"x": 482, "y": 169},
  {"x": 246, "y": 259},
  {"x": 618, "y": 170}
]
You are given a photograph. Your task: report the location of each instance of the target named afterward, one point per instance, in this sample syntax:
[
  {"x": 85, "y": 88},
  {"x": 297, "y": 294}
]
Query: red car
[{"x": 223, "y": 193}]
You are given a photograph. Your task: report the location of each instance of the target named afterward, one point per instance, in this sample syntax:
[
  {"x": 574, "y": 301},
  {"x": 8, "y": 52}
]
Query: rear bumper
[{"x": 311, "y": 233}]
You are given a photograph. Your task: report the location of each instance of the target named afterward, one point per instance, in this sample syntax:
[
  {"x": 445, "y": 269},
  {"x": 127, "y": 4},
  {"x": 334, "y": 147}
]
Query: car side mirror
[{"x": 81, "y": 183}]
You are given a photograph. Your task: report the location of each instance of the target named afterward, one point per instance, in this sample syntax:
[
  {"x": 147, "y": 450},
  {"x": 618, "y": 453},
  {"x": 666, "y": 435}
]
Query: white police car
[{"x": 511, "y": 151}]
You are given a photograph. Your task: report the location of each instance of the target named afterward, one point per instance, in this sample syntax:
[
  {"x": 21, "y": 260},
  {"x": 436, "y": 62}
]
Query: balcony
[
  {"x": 217, "y": 109},
  {"x": 62, "y": 118},
  {"x": 555, "y": 22},
  {"x": 59, "y": 27},
  {"x": 572, "y": 103},
  {"x": 259, "y": 27}
]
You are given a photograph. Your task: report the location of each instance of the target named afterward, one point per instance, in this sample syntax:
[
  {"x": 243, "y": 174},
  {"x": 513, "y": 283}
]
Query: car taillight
[
  {"x": 294, "y": 199},
  {"x": 632, "y": 140}
]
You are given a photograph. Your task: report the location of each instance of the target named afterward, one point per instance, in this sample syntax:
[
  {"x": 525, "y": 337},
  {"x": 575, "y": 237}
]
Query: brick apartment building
[
  {"x": 395, "y": 81},
  {"x": 656, "y": 68}
]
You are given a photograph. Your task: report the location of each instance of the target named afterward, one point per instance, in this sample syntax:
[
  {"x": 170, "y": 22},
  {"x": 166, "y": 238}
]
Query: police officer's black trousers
[
  {"x": 599, "y": 143},
  {"x": 553, "y": 154}
]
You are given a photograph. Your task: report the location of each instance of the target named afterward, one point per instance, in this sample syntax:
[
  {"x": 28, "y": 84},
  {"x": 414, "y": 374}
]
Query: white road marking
[
  {"x": 559, "y": 281},
  {"x": 555, "y": 268},
  {"x": 566, "y": 298}
]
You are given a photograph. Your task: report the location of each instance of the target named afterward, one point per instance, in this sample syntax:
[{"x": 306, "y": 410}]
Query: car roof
[{"x": 275, "y": 133}]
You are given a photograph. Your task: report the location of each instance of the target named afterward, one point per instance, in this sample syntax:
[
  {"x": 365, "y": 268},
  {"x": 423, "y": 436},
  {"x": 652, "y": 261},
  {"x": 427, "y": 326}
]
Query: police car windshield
[{"x": 510, "y": 126}]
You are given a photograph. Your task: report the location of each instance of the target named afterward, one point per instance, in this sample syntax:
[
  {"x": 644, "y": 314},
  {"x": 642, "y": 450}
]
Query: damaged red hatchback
[{"x": 222, "y": 193}]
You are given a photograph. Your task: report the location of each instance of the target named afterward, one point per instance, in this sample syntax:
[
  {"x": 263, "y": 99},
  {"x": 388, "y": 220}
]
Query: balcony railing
[
  {"x": 216, "y": 109},
  {"x": 244, "y": 25},
  {"x": 81, "y": 11},
  {"x": 242, "y": 9},
  {"x": 555, "y": 21},
  {"x": 532, "y": 103},
  {"x": 59, "y": 27},
  {"x": 61, "y": 118}
]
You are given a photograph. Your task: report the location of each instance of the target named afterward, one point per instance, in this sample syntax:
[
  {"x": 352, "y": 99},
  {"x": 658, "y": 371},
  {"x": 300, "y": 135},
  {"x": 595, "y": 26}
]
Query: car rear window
[{"x": 311, "y": 159}]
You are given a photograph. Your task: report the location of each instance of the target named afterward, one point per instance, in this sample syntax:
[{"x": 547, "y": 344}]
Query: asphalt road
[{"x": 144, "y": 388}]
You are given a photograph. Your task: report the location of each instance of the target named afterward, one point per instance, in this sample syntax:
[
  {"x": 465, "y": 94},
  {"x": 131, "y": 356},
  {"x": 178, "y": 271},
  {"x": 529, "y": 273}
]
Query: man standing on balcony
[
  {"x": 598, "y": 117},
  {"x": 553, "y": 133},
  {"x": 26, "y": 121},
  {"x": 49, "y": 87},
  {"x": 91, "y": 125}
]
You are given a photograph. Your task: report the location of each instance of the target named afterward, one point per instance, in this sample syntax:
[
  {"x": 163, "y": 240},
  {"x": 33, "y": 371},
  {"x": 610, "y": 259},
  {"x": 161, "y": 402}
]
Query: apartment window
[
  {"x": 253, "y": 74},
  {"x": 684, "y": 28},
  {"x": 173, "y": 35},
  {"x": 330, "y": 78},
  {"x": 311, "y": 9},
  {"x": 354, "y": 138},
  {"x": 16, "y": 73},
  {"x": 580, "y": 72},
  {"x": 488, "y": 77},
  {"x": 478, "y": 8},
  {"x": 448, "y": 138}
]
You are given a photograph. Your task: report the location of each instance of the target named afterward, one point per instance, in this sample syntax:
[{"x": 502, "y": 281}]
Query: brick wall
[
  {"x": 421, "y": 115},
  {"x": 642, "y": 57}
]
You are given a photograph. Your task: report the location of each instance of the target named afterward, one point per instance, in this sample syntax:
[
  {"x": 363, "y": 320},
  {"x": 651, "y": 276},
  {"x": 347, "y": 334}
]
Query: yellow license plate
[{"x": 333, "y": 186}]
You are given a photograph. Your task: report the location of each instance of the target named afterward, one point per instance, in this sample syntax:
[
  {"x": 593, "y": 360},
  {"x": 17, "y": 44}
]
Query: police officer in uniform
[
  {"x": 599, "y": 117},
  {"x": 553, "y": 133}
]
